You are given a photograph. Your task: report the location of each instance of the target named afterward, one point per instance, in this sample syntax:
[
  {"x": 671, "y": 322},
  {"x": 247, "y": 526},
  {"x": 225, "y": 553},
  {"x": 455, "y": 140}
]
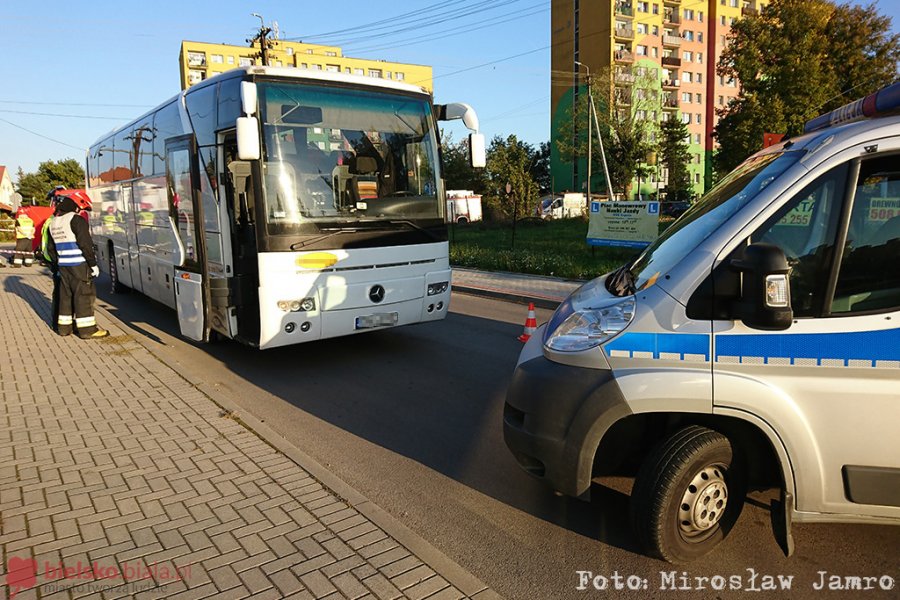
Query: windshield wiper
[
  {"x": 415, "y": 226},
  {"x": 303, "y": 243},
  {"x": 621, "y": 281}
]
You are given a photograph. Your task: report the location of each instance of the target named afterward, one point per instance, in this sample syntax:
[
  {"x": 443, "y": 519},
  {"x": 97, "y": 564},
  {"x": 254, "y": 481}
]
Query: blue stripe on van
[
  {"x": 883, "y": 345},
  {"x": 655, "y": 343}
]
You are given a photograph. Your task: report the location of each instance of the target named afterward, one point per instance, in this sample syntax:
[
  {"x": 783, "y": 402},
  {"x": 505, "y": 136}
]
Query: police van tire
[
  {"x": 115, "y": 286},
  {"x": 688, "y": 494}
]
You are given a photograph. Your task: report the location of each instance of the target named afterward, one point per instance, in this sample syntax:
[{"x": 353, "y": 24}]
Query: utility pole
[
  {"x": 263, "y": 42},
  {"x": 590, "y": 130}
]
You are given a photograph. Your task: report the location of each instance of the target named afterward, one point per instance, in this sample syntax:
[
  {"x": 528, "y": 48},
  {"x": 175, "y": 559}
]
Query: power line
[
  {"x": 75, "y": 104},
  {"x": 26, "y": 112},
  {"x": 41, "y": 135},
  {"x": 452, "y": 32}
]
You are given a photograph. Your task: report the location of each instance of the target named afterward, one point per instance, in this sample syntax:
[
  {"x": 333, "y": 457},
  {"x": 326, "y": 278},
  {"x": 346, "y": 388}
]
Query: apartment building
[
  {"x": 671, "y": 46},
  {"x": 200, "y": 60}
]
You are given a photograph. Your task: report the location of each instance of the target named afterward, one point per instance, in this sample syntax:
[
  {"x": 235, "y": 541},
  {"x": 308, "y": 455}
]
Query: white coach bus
[{"x": 276, "y": 206}]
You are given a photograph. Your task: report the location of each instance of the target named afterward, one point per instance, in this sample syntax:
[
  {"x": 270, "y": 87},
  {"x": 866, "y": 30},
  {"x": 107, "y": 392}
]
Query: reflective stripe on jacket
[{"x": 66, "y": 245}]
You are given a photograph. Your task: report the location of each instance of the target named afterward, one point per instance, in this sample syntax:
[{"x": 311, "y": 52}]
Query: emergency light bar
[{"x": 881, "y": 103}]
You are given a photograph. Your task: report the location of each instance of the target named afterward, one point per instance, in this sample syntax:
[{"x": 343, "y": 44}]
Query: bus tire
[
  {"x": 115, "y": 286},
  {"x": 688, "y": 494}
]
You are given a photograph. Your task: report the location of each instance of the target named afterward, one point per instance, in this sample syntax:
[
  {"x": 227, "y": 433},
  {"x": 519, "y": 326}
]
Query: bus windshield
[{"x": 337, "y": 158}]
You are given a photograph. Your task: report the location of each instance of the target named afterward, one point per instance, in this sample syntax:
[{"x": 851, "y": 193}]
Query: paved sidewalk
[
  {"x": 545, "y": 292},
  {"x": 118, "y": 465}
]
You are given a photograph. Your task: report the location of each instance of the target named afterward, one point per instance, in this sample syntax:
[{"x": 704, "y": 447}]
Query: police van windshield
[
  {"x": 724, "y": 200},
  {"x": 338, "y": 158}
]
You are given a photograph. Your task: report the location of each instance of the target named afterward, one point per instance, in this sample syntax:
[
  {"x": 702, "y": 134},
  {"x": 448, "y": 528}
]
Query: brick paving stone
[{"x": 127, "y": 463}]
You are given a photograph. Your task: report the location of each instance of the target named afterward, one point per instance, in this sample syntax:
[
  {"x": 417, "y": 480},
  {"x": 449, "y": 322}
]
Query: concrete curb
[
  {"x": 540, "y": 302},
  {"x": 464, "y": 581}
]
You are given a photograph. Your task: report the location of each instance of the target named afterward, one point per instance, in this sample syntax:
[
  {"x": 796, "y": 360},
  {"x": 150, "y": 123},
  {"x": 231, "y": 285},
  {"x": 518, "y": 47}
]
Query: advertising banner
[{"x": 628, "y": 224}]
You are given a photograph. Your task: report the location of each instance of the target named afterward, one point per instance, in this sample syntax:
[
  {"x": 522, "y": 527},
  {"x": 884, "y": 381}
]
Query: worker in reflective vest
[
  {"x": 71, "y": 251},
  {"x": 24, "y": 254}
]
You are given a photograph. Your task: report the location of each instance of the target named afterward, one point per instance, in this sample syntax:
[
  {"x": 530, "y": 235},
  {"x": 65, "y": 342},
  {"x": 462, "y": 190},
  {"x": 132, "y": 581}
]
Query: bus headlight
[
  {"x": 308, "y": 304},
  {"x": 284, "y": 305},
  {"x": 305, "y": 305},
  {"x": 587, "y": 328},
  {"x": 438, "y": 288}
]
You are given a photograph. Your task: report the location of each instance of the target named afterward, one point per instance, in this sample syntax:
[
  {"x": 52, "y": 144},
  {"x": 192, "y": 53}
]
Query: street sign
[
  {"x": 16, "y": 200},
  {"x": 628, "y": 224}
]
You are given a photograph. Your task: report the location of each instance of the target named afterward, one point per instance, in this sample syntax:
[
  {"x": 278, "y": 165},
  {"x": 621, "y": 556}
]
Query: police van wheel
[
  {"x": 116, "y": 286},
  {"x": 688, "y": 495}
]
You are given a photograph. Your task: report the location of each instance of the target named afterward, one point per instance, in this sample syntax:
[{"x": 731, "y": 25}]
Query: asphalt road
[{"x": 411, "y": 418}]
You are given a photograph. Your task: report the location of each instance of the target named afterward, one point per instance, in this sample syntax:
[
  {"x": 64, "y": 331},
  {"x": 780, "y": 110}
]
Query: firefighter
[
  {"x": 24, "y": 237},
  {"x": 71, "y": 252}
]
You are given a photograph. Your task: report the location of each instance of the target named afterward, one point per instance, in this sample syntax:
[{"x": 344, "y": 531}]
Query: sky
[
  {"x": 104, "y": 63},
  {"x": 90, "y": 66}
]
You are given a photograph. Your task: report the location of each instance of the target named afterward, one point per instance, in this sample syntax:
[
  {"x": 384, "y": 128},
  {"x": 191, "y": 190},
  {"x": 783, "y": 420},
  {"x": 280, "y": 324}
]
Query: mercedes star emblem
[{"x": 376, "y": 294}]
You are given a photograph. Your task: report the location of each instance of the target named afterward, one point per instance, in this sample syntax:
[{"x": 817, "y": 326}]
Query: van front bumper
[{"x": 554, "y": 418}]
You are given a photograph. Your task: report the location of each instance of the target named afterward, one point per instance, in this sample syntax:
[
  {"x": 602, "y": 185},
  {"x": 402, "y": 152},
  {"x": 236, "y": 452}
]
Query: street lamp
[{"x": 590, "y": 128}]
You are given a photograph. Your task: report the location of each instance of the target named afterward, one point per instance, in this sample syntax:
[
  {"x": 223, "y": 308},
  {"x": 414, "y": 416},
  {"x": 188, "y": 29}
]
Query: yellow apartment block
[{"x": 201, "y": 60}]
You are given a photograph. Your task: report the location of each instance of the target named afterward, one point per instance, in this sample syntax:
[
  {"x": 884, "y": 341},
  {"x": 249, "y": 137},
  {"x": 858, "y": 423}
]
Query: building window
[
  {"x": 333, "y": 68},
  {"x": 641, "y": 50},
  {"x": 696, "y": 177},
  {"x": 375, "y": 73},
  {"x": 688, "y": 14},
  {"x": 656, "y": 30},
  {"x": 244, "y": 61},
  {"x": 358, "y": 71},
  {"x": 687, "y": 77},
  {"x": 721, "y": 100},
  {"x": 304, "y": 66},
  {"x": 400, "y": 76},
  {"x": 641, "y": 28},
  {"x": 655, "y": 8},
  {"x": 278, "y": 63},
  {"x": 685, "y": 96},
  {"x": 686, "y": 118},
  {"x": 309, "y": 51},
  {"x": 316, "y": 67},
  {"x": 330, "y": 53},
  {"x": 347, "y": 69},
  {"x": 700, "y": 16},
  {"x": 290, "y": 51},
  {"x": 688, "y": 56},
  {"x": 698, "y": 118},
  {"x": 699, "y": 98},
  {"x": 699, "y": 77},
  {"x": 643, "y": 7},
  {"x": 699, "y": 57},
  {"x": 216, "y": 58},
  {"x": 195, "y": 76},
  {"x": 699, "y": 36},
  {"x": 688, "y": 35},
  {"x": 196, "y": 59},
  {"x": 230, "y": 60},
  {"x": 655, "y": 52},
  {"x": 723, "y": 19},
  {"x": 696, "y": 138}
]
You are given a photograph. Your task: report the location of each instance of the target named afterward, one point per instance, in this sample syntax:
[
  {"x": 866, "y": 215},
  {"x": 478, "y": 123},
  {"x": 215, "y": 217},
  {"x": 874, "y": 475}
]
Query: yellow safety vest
[{"x": 24, "y": 228}]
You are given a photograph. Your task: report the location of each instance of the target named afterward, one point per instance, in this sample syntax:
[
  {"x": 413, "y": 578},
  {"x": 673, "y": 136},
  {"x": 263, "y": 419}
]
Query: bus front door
[{"x": 191, "y": 284}]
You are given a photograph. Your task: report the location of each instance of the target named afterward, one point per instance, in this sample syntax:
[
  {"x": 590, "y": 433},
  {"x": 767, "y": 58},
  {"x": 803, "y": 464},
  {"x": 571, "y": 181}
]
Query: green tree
[
  {"x": 50, "y": 173},
  {"x": 511, "y": 161},
  {"x": 458, "y": 174},
  {"x": 795, "y": 60},
  {"x": 673, "y": 155},
  {"x": 540, "y": 167},
  {"x": 623, "y": 98}
]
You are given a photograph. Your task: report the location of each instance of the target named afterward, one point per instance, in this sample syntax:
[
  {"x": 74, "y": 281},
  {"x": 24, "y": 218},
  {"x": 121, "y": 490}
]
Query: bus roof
[{"x": 280, "y": 72}]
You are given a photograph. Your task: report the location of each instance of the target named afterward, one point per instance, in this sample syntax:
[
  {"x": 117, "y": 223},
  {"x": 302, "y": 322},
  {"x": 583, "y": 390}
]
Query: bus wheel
[
  {"x": 116, "y": 286},
  {"x": 688, "y": 495}
]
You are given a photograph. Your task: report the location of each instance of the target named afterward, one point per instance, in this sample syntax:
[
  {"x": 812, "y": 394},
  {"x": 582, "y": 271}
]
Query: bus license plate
[{"x": 377, "y": 320}]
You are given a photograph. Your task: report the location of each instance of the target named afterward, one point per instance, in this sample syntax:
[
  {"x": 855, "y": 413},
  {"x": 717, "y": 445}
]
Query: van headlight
[{"x": 587, "y": 328}]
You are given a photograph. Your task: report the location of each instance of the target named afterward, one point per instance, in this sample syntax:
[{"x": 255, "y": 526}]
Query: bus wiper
[
  {"x": 415, "y": 226},
  {"x": 621, "y": 281},
  {"x": 303, "y": 243}
]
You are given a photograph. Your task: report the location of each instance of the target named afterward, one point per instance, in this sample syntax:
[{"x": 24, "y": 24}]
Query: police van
[{"x": 756, "y": 343}]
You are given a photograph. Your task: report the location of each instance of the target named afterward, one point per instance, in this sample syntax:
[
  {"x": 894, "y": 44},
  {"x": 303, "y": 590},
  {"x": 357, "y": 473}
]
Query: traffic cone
[{"x": 530, "y": 324}]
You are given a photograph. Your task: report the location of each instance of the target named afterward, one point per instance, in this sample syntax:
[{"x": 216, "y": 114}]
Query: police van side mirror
[{"x": 765, "y": 300}]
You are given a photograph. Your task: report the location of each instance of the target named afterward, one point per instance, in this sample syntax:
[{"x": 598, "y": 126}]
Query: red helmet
[{"x": 80, "y": 197}]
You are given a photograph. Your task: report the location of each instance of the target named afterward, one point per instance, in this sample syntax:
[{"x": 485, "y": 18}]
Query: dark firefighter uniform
[{"x": 71, "y": 251}]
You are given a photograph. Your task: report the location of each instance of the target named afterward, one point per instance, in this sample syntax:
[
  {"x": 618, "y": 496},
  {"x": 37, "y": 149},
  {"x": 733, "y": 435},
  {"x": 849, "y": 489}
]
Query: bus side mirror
[
  {"x": 765, "y": 301},
  {"x": 248, "y": 138},
  {"x": 477, "y": 154}
]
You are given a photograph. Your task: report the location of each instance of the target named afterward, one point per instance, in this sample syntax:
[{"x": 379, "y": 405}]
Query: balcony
[
  {"x": 625, "y": 33},
  {"x": 749, "y": 11},
  {"x": 622, "y": 98},
  {"x": 624, "y": 9},
  {"x": 624, "y": 78},
  {"x": 671, "y": 83},
  {"x": 671, "y": 17},
  {"x": 670, "y": 104},
  {"x": 671, "y": 40},
  {"x": 671, "y": 61},
  {"x": 677, "y": 2},
  {"x": 624, "y": 56}
]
